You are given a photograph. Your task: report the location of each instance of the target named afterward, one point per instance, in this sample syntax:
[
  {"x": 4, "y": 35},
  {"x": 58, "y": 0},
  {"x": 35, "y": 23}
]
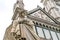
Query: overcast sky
[{"x": 6, "y": 12}]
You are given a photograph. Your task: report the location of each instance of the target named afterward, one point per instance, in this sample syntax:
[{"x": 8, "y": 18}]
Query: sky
[{"x": 6, "y": 12}]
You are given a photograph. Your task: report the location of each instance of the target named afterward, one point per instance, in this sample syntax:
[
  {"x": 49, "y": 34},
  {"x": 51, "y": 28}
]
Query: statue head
[{"x": 20, "y": 1}]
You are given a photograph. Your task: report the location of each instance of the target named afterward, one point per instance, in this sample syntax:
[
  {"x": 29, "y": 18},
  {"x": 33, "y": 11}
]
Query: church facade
[{"x": 37, "y": 24}]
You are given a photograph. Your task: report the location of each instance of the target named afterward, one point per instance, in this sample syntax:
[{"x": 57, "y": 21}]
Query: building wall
[{"x": 51, "y": 7}]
